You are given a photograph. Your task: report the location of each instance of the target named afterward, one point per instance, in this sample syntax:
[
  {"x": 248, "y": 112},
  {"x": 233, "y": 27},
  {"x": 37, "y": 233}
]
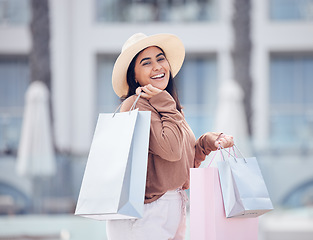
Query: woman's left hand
[{"x": 226, "y": 141}]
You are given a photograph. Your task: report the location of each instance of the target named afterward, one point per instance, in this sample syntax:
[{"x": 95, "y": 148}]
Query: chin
[{"x": 160, "y": 86}]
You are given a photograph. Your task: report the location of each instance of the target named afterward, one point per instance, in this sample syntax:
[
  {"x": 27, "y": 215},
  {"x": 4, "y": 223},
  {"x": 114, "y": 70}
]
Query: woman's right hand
[{"x": 148, "y": 91}]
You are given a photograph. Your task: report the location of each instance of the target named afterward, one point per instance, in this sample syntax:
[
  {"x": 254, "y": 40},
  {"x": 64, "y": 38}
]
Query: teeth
[{"x": 159, "y": 75}]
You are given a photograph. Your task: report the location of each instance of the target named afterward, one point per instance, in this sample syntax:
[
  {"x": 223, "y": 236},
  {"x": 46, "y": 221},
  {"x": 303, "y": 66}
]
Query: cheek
[
  {"x": 142, "y": 77},
  {"x": 167, "y": 66}
]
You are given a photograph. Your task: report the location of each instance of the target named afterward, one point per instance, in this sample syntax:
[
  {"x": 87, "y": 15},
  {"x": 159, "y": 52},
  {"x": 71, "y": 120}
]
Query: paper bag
[
  {"x": 244, "y": 190},
  {"x": 114, "y": 181},
  {"x": 207, "y": 215}
]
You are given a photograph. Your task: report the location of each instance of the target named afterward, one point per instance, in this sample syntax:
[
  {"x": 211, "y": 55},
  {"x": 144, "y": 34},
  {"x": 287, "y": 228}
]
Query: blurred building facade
[{"x": 86, "y": 38}]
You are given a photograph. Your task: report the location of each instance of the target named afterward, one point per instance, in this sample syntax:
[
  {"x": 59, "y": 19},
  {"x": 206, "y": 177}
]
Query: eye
[
  {"x": 146, "y": 63},
  {"x": 161, "y": 59}
]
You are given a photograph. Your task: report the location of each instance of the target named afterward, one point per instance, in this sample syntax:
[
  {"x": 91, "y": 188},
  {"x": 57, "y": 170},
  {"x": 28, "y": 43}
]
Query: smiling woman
[{"x": 148, "y": 65}]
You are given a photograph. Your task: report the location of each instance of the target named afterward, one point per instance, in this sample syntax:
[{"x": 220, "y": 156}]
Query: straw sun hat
[{"x": 171, "y": 45}]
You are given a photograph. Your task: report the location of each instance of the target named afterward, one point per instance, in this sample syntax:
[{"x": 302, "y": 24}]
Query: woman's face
[{"x": 152, "y": 67}]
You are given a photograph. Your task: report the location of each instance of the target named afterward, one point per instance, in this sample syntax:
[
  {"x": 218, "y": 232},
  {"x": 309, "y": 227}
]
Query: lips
[{"x": 158, "y": 76}]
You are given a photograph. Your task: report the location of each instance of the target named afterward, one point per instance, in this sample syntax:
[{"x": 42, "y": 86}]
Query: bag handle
[
  {"x": 215, "y": 155},
  {"x": 131, "y": 108},
  {"x": 134, "y": 104},
  {"x": 234, "y": 156},
  {"x": 220, "y": 148}
]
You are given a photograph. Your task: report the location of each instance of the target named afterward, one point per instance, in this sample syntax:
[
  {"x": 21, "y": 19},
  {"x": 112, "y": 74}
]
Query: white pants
[{"x": 163, "y": 219}]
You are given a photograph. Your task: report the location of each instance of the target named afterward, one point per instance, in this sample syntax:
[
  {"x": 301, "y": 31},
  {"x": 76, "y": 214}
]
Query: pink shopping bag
[{"x": 207, "y": 214}]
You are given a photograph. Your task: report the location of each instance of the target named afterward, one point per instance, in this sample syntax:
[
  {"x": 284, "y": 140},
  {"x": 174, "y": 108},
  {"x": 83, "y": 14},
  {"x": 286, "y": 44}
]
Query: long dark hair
[{"x": 133, "y": 85}]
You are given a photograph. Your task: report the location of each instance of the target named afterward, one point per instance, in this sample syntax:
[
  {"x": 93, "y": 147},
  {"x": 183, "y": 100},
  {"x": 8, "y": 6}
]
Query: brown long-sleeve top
[{"x": 173, "y": 149}]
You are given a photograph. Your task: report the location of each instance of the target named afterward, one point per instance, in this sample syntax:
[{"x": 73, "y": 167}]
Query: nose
[{"x": 156, "y": 66}]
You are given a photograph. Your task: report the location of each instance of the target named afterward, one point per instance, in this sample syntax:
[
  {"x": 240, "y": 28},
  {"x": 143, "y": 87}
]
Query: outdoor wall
[
  {"x": 270, "y": 37},
  {"x": 77, "y": 40}
]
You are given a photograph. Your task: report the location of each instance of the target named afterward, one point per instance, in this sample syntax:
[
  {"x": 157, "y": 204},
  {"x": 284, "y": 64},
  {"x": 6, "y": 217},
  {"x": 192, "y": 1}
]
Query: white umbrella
[
  {"x": 230, "y": 116},
  {"x": 35, "y": 156}
]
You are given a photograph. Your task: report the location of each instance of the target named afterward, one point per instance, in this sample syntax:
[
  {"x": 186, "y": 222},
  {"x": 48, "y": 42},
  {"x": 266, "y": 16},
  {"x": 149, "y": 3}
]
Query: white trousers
[{"x": 163, "y": 219}]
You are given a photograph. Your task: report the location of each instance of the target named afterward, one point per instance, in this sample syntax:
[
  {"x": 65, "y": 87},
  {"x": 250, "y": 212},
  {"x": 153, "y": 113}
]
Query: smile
[{"x": 161, "y": 75}]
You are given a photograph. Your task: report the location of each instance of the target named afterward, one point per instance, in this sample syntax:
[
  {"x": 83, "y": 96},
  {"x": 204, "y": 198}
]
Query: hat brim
[{"x": 171, "y": 45}]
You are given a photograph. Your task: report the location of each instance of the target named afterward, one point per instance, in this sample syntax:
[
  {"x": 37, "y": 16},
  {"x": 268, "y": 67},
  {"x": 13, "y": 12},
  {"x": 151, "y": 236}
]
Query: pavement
[{"x": 280, "y": 224}]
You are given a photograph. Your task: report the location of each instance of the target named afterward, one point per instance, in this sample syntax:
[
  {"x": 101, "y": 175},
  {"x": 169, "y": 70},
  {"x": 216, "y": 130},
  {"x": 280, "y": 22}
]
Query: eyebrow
[{"x": 148, "y": 58}]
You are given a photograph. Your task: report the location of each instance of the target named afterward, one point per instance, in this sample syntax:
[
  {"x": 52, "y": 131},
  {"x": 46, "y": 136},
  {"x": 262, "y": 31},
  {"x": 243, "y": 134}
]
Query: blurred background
[{"x": 248, "y": 72}]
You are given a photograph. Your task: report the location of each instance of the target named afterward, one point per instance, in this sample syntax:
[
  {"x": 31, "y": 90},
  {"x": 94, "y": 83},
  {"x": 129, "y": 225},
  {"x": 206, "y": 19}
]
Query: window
[
  {"x": 14, "y": 79},
  {"x": 291, "y": 9},
  {"x": 14, "y": 12},
  {"x": 107, "y": 100},
  {"x": 291, "y": 98},
  {"x": 155, "y": 10},
  {"x": 196, "y": 84}
]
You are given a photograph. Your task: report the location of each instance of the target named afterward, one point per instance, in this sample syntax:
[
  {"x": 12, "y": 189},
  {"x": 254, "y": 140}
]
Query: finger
[
  {"x": 229, "y": 143},
  {"x": 147, "y": 90},
  {"x": 148, "y": 93},
  {"x": 153, "y": 89},
  {"x": 220, "y": 143},
  {"x": 220, "y": 136},
  {"x": 227, "y": 140},
  {"x": 138, "y": 90},
  {"x": 224, "y": 143},
  {"x": 229, "y": 137},
  {"x": 150, "y": 87},
  {"x": 145, "y": 95}
]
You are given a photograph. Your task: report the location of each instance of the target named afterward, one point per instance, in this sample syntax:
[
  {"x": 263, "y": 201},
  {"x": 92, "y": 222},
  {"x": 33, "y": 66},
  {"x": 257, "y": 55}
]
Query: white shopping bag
[
  {"x": 243, "y": 187},
  {"x": 114, "y": 181}
]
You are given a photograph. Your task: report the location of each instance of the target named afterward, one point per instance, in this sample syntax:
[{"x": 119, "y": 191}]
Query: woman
[{"x": 147, "y": 65}]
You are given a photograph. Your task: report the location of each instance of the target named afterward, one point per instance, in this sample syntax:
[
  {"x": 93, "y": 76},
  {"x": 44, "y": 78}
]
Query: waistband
[
  {"x": 177, "y": 194},
  {"x": 173, "y": 194}
]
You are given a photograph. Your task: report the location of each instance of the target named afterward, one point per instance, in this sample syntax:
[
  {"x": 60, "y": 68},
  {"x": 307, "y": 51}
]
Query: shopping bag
[
  {"x": 244, "y": 191},
  {"x": 207, "y": 215},
  {"x": 114, "y": 181}
]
